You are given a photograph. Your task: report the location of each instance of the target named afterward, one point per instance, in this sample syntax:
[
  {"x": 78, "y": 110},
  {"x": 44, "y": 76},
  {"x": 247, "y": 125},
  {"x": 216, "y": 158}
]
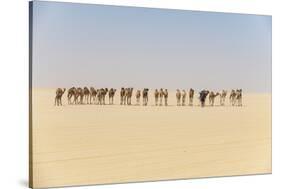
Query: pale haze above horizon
[{"x": 114, "y": 46}]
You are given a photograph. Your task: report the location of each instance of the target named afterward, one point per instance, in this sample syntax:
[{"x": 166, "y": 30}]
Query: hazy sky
[{"x": 111, "y": 46}]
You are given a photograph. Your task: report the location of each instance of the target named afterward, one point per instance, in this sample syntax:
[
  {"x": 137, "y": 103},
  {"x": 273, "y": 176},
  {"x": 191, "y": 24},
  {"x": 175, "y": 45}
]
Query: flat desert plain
[{"x": 94, "y": 144}]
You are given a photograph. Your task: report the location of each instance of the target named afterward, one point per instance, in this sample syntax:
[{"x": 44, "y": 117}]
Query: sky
[{"x": 114, "y": 46}]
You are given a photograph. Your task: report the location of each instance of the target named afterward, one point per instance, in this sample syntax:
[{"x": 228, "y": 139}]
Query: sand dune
[{"x": 93, "y": 144}]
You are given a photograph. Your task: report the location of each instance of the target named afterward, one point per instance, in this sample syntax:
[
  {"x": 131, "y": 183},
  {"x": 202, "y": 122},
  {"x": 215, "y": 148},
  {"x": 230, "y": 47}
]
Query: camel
[
  {"x": 122, "y": 96},
  {"x": 103, "y": 94},
  {"x": 222, "y": 97},
  {"x": 145, "y": 96},
  {"x": 166, "y": 94},
  {"x": 86, "y": 93},
  {"x": 59, "y": 93},
  {"x": 93, "y": 94},
  {"x": 99, "y": 96},
  {"x": 183, "y": 97},
  {"x": 76, "y": 96},
  {"x": 202, "y": 97},
  {"x": 232, "y": 97},
  {"x": 71, "y": 93},
  {"x": 239, "y": 97},
  {"x": 156, "y": 96},
  {"x": 129, "y": 94},
  {"x": 80, "y": 94},
  {"x": 161, "y": 95},
  {"x": 127, "y": 91},
  {"x": 111, "y": 94},
  {"x": 212, "y": 97},
  {"x": 138, "y": 95},
  {"x": 191, "y": 94},
  {"x": 178, "y": 96}
]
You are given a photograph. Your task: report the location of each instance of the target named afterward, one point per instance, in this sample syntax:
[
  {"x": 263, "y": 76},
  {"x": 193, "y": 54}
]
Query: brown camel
[
  {"x": 239, "y": 97},
  {"x": 232, "y": 97},
  {"x": 103, "y": 94},
  {"x": 156, "y": 95},
  {"x": 111, "y": 94},
  {"x": 138, "y": 95},
  {"x": 145, "y": 96},
  {"x": 161, "y": 95},
  {"x": 93, "y": 94},
  {"x": 71, "y": 93},
  {"x": 183, "y": 97},
  {"x": 191, "y": 95},
  {"x": 222, "y": 97},
  {"x": 178, "y": 96},
  {"x": 59, "y": 93},
  {"x": 79, "y": 95},
  {"x": 212, "y": 97},
  {"x": 99, "y": 96},
  {"x": 129, "y": 94},
  {"x": 86, "y": 92},
  {"x": 166, "y": 94},
  {"x": 122, "y": 96}
]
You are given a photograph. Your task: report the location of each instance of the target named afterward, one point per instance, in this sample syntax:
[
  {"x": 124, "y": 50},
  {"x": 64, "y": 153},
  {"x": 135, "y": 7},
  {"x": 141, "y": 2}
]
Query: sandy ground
[{"x": 93, "y": 144}]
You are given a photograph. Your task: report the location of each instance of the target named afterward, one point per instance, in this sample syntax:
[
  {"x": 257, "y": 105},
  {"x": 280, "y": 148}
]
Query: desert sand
[{"x": 93, "y": 144}]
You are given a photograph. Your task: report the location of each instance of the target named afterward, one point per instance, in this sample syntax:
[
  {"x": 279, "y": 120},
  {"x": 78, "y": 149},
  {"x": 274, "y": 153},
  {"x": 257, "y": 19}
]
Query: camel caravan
[{"x": 91, "y": 95}]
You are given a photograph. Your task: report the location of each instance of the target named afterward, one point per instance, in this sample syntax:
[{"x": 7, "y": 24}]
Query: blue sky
[{"x": 113, "y": 46}]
